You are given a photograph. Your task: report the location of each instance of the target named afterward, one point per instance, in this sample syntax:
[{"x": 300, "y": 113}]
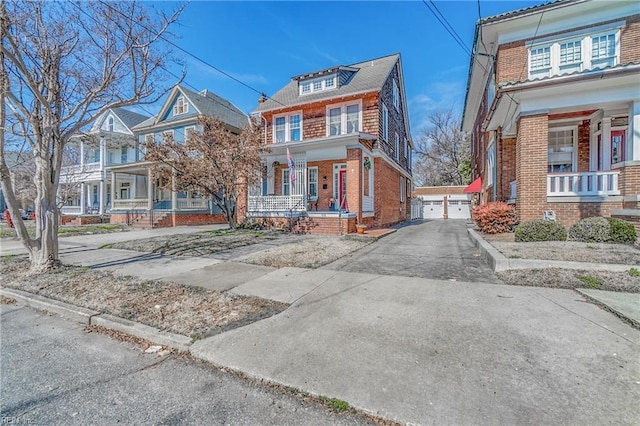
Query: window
[
  {"x": 343, "y": 119},
  {"x": 188, "y": 133},
  {"x": 562, "y": 142},
  {"x": 396, "y": 95},
  {"x": 317, "y": 85},
  {"x": 402, "y": 189},
  {"x": 313, "y": 183},
  {"x": 491, "y": 166},
  {"x": 167, "y": 135},
  {"x": 603, "y": 50},
  {"x": 288, "y": 128},
  {"x": 405, "y": 152},
  {"x": 149, "y": 139},
  {"x": 571, "y": 56},
  {"x": 110, "y": 124},
  {"x": 617, "y": 146},
  {"x": 123, "y": 154},
  {"x": 180, "y": 107},
  {"x": 385, "y": 123},
  {"x": 286, "y": 185},
  {"x": 540, "y": 61},
  {"x": 574, "y": 54},
  {"x": 396, "y": 146}
]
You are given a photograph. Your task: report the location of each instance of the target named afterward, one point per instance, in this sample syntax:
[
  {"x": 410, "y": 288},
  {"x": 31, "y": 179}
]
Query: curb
[
  {"x": 607, "y": 307},
  {"x": 90, "y": 317},
  {"x": 500, "y": 263}
]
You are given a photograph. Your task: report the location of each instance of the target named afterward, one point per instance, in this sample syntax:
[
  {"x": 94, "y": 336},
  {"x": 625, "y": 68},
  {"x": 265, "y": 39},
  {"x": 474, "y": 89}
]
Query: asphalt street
[{"x": 54, "y": 373}]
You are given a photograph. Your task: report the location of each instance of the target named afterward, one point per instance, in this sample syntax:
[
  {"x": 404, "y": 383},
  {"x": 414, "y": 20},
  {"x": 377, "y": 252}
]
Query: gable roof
[
  {"x": 206, "y": 103},
  {"x": 129, "y": 118},
  {"x": 367, "y": 76}
]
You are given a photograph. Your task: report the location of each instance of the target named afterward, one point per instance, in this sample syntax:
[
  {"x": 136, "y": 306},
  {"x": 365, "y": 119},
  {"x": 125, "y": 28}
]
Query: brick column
[
  {"x": 531, "y": 167},
  {"x": 242, "y": 202},
  {"x": 354, "y": 181}
]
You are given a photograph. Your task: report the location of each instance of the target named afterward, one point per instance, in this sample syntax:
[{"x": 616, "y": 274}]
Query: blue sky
[{"x": 264, "y": 44}]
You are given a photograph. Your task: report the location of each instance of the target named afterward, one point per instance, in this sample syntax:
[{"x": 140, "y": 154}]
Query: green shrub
[
  {"x": 540, "y": 230},
  {"x": 622, "y": 232},
  {"x": 495, "y": 218},
  {"x": 591, "y": 230}
]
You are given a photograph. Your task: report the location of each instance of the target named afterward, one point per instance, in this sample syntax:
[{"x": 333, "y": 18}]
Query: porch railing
[
  {"x": 81, "y": 168},
  {"x": 583, "y": 184},
  {"x": 192, "y": 203},
  {"x": 275, "y": 203},
  {"x": 131, "y": 204},
  {"x": 71, "y": 210}
]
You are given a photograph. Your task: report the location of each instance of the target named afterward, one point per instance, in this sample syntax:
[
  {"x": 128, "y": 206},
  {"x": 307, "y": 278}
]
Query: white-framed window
[
  {"x": 124, "y": 150},
  {"x": 188, "y": 133},
  {"x": 286, "y": 184},
  {"x": 571, "y": 56},
  {"x": 110, "y": 123},
  {"x": 402, "y": 189},
  {"x": 167, "y": 135},
  {"x": 574, "y": 53},
  {"x": 603, "y": 50},
  {"x": 343, "y": 118},
  {"x": 385, "y": 123},
  {"x": 540, "y": 61},
  {"x": 287, "y": 128},
  {"x": 312, "y": 180},
  {"x": 317, "y": 84},
  {"x": 396, "y": 146},
  {"x": 181, "y": 106},
  {"x": 396, "y": 95},
  {"x": 405, "y": 152},
  {"x": 562, "y": 149},
  {"x": 149, "y": 139}
]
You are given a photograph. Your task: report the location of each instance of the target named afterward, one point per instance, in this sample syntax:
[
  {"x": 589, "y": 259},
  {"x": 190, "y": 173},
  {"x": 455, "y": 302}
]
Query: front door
[{"x": 342, "y": 189}]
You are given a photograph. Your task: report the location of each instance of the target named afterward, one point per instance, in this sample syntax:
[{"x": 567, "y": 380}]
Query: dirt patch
[
  {"x": 186, "y": 310},
  {"x": 568, "y": 278},
  {"x": 567, "y": 251},
  {"x": 308, "y": 252}
]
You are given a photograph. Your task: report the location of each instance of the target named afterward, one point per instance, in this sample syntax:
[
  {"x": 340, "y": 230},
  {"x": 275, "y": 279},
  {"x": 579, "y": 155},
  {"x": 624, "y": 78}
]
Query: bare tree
[
  {"x": 61, "y": 65},
  {"x": 214, "y": 162},
  {"x": 443, "y": 152}
]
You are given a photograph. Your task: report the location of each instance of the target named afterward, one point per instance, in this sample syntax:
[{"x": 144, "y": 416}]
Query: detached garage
[{"x": 444, "y": 202}]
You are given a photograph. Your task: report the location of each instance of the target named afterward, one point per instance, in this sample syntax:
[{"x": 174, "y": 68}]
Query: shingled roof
[
  {"x": 367, "y": 76},
  {"x": 129, "y": 118}
]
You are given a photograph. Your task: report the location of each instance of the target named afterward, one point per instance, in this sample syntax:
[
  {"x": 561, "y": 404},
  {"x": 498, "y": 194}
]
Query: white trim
[
  {"x": 287, "y": 126},
  {"x": 284, "y": 182},
  {"x": 313, "y": 82},
  {"x": 396, "y": 146},
  {"x": 574, "y": 147},
  {"x": 396, "y": 95},
  {"x": 343, "y": 117},
  {"x": 317, "y": 182},
  {"x": 168, "y": 132},
  {"x": 186, "y": 131},
  {"x": 385, "y": 122},
  {"x": 180, "y": 106}
]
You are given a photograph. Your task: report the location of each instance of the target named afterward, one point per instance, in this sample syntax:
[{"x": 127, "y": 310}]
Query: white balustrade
[
  {"x": 192, "y": 203},
  {"x": 131, "y": 204},
  {"x": 70, "y": 210},
  {"x": 582, "y": 184},
  {"x": 276, "y": 203}
]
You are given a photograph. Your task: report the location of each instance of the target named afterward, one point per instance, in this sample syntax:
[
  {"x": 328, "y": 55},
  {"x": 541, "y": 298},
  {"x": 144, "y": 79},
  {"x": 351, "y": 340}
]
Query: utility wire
[
  {"x": 443, "y": 21},
  {"x": 226, "y": 74}
]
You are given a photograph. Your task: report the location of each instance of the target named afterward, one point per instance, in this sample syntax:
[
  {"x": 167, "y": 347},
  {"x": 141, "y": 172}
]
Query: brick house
[
  {"x": 139, "y": 199},
  {"x": 553, "y": 106},
  {"x": 347, "y": 134}
]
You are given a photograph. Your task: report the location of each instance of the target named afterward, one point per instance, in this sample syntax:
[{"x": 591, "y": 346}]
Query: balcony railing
[
  {"x": 582, "y": 184},
  {"x": 277, "y": 203},
  {"x": 81, "y": 168}
]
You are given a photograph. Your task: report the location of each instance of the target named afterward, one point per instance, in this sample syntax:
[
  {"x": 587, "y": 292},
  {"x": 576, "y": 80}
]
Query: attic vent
[
  {"x": 372, "y": 63},
  {"x": 204, "y": 92}
]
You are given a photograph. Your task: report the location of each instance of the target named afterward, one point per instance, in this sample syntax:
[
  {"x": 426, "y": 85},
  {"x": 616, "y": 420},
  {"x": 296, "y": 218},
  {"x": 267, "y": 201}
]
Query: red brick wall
[
  {"x": 531, "y": 167},
  {"x": 584, "y": 139},
  {"x": 325, "y": 225},
  {"x": 354, "y": 181},
  {"x": 630, "y": 40},
  {"x": 180, "y": 219},
  {"x": 570, "y": 213},
  {"x": 506, "y": 167},
  {"x": 512, "y": 62},
  {"x": 629, "y": 184},
  {"x": 388, "y": 208}
]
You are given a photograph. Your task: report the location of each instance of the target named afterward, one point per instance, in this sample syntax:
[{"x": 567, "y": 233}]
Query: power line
[
  {"x": 226, "y": 74},
  {"x": 447, "y": 26}
]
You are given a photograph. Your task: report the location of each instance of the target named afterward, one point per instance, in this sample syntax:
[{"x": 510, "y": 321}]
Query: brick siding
[
  {"x": 569, "y": 213},
  {"x": 531, "y": 167},
  {"x": 388, "y": 208},
  {"x": 506, "y": 167}
]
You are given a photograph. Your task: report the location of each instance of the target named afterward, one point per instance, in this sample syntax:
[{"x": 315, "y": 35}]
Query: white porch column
[
  {"x": 113, "y": 188},
  {"x": 82, "y": 198},
  {"x": 174, "y": 192},
  {"x": 103, "y": 152},
  {"x": 606, "y": 143},
  {"x": 81, "y": 153},
  {"x": 149, "y": 190},
  {"x": 633, "y": 133},
  {"x": 101, "y": 197}
]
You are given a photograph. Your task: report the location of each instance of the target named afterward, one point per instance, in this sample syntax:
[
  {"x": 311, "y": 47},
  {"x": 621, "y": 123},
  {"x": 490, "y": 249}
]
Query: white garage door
[
  {"x": 459, "y": 209},
  {"x": 432, "y": 209}
]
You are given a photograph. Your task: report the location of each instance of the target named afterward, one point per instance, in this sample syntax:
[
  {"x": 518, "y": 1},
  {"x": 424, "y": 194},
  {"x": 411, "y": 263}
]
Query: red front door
[{"x": 342, "y": 189}]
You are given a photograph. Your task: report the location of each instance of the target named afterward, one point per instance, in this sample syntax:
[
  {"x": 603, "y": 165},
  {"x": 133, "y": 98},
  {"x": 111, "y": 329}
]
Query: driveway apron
[{"x": 438, "y": 249}]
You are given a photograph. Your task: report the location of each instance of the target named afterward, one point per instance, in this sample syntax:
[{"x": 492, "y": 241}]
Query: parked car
[{"x": 24, "y": 214}]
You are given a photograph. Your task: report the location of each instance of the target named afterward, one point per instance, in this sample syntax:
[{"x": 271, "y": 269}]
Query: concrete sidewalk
[{"x": 413, "y": 349}]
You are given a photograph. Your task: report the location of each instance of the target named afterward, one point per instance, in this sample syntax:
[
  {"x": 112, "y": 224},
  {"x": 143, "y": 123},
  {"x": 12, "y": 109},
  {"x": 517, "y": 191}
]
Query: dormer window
[
  {"x": 181, "y": 106},
  {"x": 318, "y": 85},
  {"x": 110, "y": 123}
]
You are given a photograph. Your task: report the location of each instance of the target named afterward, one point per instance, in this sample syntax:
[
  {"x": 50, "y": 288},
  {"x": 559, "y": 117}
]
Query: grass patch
[
  {"x": 634, "y": 272},
  {"x": 591, "y": 282},
  {"x": 334, "y": 404}
]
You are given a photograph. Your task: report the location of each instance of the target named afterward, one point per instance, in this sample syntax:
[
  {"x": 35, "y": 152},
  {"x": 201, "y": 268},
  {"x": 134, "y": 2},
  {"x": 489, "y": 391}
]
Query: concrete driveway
[{"x": 439, "y": 249}]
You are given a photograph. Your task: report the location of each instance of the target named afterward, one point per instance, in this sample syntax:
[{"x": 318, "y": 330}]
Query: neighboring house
[
  {"x": 137, "y": 197},
  {"x": 347, "y": 131},
  {"x": 85, "y": 185},
  {"x": 22, "y": 168},
  {"x": 553, "y": 104},
  {"x": 444, "y": 202}
]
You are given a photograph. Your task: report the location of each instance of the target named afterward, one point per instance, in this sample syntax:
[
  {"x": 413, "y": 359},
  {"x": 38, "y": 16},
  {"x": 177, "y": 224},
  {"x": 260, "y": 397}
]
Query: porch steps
[
  {"x": 322, "y": 225},
  {"x": 144, "y": 221}
]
